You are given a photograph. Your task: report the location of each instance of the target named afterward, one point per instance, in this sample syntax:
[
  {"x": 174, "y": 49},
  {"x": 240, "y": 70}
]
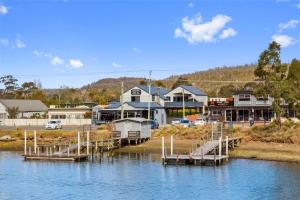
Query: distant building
[
  {"x": 164, "y": 104},
  {"x": 68, "y": 112},
  {"x": 25, "y": 108}
]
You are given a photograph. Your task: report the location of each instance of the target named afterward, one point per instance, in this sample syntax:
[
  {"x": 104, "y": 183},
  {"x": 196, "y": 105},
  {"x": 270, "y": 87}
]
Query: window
[
  {"x": 244, "y": 97},
  {"x": 135, "y": 98},
  {"x": 153, "y": 97},
  {"x": 168, "y": 98},
  {"x": 217, "y": 112}
]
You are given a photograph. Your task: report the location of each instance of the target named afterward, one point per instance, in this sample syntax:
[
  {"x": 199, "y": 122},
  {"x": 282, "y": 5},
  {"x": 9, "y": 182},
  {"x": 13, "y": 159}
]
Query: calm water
[{"x": 141, "y": 178}]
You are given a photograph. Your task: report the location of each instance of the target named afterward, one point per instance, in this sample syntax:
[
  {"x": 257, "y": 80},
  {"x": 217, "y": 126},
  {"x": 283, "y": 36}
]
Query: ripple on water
[{"x": 144, "y": 179}]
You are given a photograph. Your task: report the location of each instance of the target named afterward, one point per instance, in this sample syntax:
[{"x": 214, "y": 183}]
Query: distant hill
[
  {"x": 210, "y": 81},
  {"x": 109, "y": 89}
]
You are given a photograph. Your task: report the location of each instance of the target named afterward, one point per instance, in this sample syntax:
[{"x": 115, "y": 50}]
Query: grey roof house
[
  {"x": 25, "y": 108},
  {"x": 164, "y": 104}
]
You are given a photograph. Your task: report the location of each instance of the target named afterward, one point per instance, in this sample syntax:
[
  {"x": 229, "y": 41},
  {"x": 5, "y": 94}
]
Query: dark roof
[
  {"x": 134, "y": 119},
  {"x": 143, "y": 105},
  {"x": 193, "y": 90},
  {"x": 25, "y": 105},
  {"x": 243, "y": 92},
  {"x": 113, "y": 105},
  {"x": 154, "y": 90},
  {"x": 188, "y": 104}
]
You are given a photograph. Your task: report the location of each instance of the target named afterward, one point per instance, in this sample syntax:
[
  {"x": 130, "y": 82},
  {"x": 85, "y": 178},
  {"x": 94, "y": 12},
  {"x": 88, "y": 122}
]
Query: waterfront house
[
  {"x": 242, "y": 106},
  {"x": 164, "y": 104},
  {"x": 24, "y": 108}
]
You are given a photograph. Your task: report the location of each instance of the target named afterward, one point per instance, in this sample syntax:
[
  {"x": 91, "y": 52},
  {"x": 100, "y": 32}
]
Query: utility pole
[
  {"x": 183, "y": 104},
  {"x": 150, "y": 96},
  {"x": 122, "y": 101}
]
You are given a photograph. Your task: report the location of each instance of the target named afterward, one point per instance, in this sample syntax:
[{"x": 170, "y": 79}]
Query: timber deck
[
  {"x": 205, "y": 154},
  {"x": 71, "y": 158}
]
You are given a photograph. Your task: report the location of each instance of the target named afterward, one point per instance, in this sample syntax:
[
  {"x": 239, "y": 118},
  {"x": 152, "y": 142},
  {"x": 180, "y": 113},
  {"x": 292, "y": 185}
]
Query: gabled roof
[
  {"x": 142, "y": 105},
  {"x": 25, "y": 105},
  {"x": 193, "y": 90},
  {"x": 158, "y": 91}
]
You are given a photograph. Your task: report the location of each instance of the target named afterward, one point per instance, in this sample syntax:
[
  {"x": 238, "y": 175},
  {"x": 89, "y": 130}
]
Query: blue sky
[{"x": 72, "y": 42}]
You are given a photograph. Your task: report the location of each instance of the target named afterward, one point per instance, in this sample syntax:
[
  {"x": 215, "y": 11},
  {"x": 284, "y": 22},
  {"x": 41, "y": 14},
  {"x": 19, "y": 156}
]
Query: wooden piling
[
  {"x": 87, "y": 142},
  {"x": 25, "y": 142},
  {"x": 226, "y": 145},
  {"x": 35, "y": 144},
  {"x": 78, "y": 143},
  {"x": 172, "y": 145},
  {"x": 163, "y": 147},
  {"x": 220, "y": 146}
]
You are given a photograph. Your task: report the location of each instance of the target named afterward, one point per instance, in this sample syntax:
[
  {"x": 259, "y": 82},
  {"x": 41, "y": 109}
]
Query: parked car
[
  {"x": 175, "y": 121},
  {"x": 53, "y": 124},
  {"x": 200, "y": 122},
  {"x": 186, "y": 123},
  {"x": 154, "y": 124}
]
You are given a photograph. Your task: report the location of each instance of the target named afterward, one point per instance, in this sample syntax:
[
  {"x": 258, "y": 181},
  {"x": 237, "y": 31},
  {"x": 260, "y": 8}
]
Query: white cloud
[
  {"x": 42, "y": 54},
  {"x": 4, "y": 42},
  {"x": 116, "y": 65},
  {"x": 229, "y": 32},
  {"x": 298, "y": 5},
  {"x": 75, "y": 63},
  {"x": 136, "y": 50},
  {"x": 290, "y": 24},
  {"x": 20, "y": 44},
  {"x": 283, "y": 40},
  {"x": 37, "y": 53},
  {"x": 195, "y": 31},
  {"x": 191, "y": 5},
  {"x": 3, "y": 10},
  {"x": 56, "y": 61}
]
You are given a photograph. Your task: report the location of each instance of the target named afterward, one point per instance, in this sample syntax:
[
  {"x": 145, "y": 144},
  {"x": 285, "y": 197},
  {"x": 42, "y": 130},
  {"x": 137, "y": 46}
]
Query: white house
[{"x": 164, "y": 104}]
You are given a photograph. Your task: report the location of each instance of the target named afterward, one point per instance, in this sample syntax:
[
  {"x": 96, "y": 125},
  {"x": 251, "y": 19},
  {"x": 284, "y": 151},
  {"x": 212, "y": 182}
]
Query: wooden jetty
[
  {"x": 76, "y": 150},
  {"x": 213, "y": 152},
  {"x": 65, "y": 151}
]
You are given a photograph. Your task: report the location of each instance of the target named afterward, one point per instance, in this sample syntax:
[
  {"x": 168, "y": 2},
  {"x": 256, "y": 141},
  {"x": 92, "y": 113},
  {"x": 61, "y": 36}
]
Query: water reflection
[{"x": 141, "y": 176}]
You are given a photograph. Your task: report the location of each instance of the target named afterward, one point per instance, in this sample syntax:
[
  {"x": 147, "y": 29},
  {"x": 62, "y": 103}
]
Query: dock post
[
  {"x": 50, "y": 151},
  {"x": 68, "y": 151},
  {"x": 227, "y": 146},
  {"x": 35, "y": 145},
  {"x": 38, "y": 151},
  {"x": 215, "y": 155},
  {"x": 88, "y": 142},
  {"x": 163, "y": 148},
  {"x": 171, "y": 144},
  {"x": 78, "y": 143},
  {"x": 47, "y": 151},
  {"x": 220, "y": 146},
  {"x": 212, "y": 131},
  {"x": 25, "y": 142}
]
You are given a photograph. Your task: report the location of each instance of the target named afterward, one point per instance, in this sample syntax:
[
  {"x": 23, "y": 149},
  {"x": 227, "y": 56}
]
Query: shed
[{"x": 131, "y": 125}]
